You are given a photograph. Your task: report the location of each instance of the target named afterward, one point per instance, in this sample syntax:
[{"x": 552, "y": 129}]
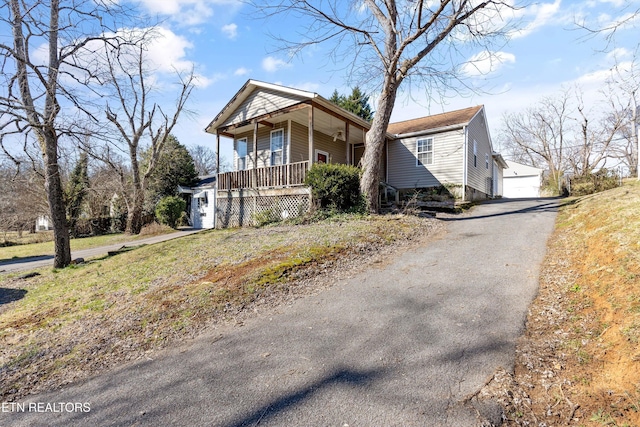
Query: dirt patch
[{"x": 578, "y": 362}]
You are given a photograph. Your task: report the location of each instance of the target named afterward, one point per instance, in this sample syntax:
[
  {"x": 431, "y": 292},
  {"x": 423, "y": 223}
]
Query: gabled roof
[
  {"x": 437, "y": 121},
  {"x": 288, "y": 97}
]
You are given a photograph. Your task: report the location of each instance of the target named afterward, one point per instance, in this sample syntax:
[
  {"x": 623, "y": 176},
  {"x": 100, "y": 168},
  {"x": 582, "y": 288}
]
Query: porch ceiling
[{"x": 322, "y": 122}]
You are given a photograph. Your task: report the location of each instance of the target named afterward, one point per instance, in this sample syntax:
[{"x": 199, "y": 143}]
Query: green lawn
[{"x": 73, "y": 322}]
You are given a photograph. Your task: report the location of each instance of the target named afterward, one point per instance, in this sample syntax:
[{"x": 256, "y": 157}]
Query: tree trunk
[
  {"x": 53, "y": 187},
  {"x": 134, "y": 215},
  {"x": 372, "y": 159}
]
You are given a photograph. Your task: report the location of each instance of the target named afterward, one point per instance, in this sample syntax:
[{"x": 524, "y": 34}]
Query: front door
[{"x": 322, "y": 156}]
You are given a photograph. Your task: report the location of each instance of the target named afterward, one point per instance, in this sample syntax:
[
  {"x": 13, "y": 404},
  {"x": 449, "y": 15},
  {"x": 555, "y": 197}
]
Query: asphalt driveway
[{"x": 399, "y": 344}]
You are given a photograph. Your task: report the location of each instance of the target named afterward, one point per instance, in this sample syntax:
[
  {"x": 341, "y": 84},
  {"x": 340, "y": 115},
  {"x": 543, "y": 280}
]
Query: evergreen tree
[
  {"x": 76, "y": 191},
  {"x": 357, "y": 103},
  {"x": 175, "y": 167}
]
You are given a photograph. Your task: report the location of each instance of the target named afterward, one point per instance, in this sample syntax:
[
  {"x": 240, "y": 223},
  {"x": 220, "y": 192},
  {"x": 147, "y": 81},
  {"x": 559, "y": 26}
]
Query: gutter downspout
[{"x": 464, "y": 163}]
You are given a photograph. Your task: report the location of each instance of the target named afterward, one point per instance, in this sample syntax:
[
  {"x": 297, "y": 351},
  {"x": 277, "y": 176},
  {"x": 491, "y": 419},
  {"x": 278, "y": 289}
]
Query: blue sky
[{"x": 228, "y": 46}]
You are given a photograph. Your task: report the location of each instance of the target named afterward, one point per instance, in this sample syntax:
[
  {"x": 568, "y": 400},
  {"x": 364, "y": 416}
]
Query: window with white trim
[
  {"x": 424, "y": 151},
  {"x": 241, "y": 151},
  {"x": 277, "y": 142},
  {"x": 486, "y": 160}
]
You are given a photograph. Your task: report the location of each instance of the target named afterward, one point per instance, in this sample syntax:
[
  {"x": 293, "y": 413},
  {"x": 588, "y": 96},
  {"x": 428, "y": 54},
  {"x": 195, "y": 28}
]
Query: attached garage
[{"x": 521, "y": 181}]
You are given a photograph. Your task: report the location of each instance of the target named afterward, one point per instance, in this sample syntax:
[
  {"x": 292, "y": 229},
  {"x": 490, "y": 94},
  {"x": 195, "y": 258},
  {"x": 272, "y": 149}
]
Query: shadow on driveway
[
  {"x": 348, "y": 377},
  {"x": 8, "y": 295}
]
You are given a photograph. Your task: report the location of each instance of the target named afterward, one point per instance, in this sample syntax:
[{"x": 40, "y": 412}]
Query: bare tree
[
  {"x": 23, "y": 197},
  {"x": 597, "y": 132},
  {"x": 625, "y": 147},
  {"x": 39, "y": 71},
  {"x": 626, "y": 15},
  {"x": 626, "y": 77},
  {"x": 538, "y": 135},
  {"x": 205, "y": 160},
  {"x": 393, "y": 41},
  {"x": 104, "y": 185},
  {"x": 138, "y": 121}
]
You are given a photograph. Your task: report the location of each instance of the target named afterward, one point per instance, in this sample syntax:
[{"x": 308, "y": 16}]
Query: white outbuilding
[
  {"x": 201, "y": 202},
  {"x": 521, "y": 181}
]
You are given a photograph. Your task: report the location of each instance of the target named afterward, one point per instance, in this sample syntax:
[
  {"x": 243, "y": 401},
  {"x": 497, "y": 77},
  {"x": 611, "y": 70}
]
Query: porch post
[
  {"x": 217, "y": 155},
  {"x": 346, "y": 138},
  {"x": 311, "y": 154},
  {"x": 255, "y": 154}
]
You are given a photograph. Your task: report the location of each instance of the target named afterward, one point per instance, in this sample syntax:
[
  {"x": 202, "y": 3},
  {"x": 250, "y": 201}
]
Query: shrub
[
  {"x": 335, "y": 187},
  {"x": 596, "y": 182},
  {"x": 169, "y": 209}
]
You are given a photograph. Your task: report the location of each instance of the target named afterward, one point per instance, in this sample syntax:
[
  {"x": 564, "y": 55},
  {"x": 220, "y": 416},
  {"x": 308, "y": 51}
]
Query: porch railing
[{"x": 289, "y": 175}]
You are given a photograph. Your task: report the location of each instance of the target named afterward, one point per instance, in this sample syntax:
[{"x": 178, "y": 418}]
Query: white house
[
  {"x": 278, "y": 133},
  {"x": 201, "y": 202},
  {"x": 521, "y": 181},
  {"x": 43, "y": 223},
  {"x": 452, "y": 149}
]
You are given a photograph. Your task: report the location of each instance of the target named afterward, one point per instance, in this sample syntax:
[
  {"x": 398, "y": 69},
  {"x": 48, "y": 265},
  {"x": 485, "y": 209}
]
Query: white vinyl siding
[
  {"x": 475, "y": 153},
  {"x": 446, "y": 167},
  {"x": 424, "y": 151},
  {"x": 479, "y": 178}
]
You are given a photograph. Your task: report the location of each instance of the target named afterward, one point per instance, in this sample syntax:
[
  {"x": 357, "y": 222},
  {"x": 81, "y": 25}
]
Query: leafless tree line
[
  {"x": 65, "y": 60},
  {"x": 564, "y": 134}
]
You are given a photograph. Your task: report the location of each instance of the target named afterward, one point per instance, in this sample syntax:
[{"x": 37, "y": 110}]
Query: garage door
[{"x": 521, "y": 187}]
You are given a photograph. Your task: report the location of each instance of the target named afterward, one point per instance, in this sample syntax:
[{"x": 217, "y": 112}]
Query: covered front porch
[{"x": 278, "y": 133}]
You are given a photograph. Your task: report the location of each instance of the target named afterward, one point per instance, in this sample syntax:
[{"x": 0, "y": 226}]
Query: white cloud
[
  {"x": 164, "y": 52},
  {"x": 230, "y": 30},
  {"x": 485, "y": 62},
  {"x": 536, "y": 16},
  {"x": 167, "y": 52},
  {"x": 188, "y": 12},
  {"x": 271, "y": 64},
  {"x": 618, "y": 53},
  {"x": 241, "y": 71}
]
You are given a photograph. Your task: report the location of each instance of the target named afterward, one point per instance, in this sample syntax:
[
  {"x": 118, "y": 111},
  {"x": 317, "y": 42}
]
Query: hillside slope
[{"x": 579, "y": 360}]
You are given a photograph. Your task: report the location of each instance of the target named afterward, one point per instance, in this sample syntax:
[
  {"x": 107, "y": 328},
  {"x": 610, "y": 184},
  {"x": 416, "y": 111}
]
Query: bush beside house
[
  {"x": 335, "y": 187},
  {"x": 169, "y": 210}
]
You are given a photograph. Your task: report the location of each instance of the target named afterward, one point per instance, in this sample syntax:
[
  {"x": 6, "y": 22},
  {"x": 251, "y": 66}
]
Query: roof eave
[
  {"x": 241, "y": 95},
  {"x": 429, "y": 131}
]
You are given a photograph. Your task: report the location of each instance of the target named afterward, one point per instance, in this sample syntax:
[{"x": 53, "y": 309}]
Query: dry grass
[
  {"x": 81, "y": 320},
  {"x": 579, "y": 361}
]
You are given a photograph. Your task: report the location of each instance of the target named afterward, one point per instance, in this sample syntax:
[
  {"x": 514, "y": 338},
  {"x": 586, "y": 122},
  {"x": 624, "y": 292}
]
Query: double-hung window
[
  {"x": 241, "y": 151},
  {"x": 424, "y": 151},
  {"x": 277, "y": 143}
]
